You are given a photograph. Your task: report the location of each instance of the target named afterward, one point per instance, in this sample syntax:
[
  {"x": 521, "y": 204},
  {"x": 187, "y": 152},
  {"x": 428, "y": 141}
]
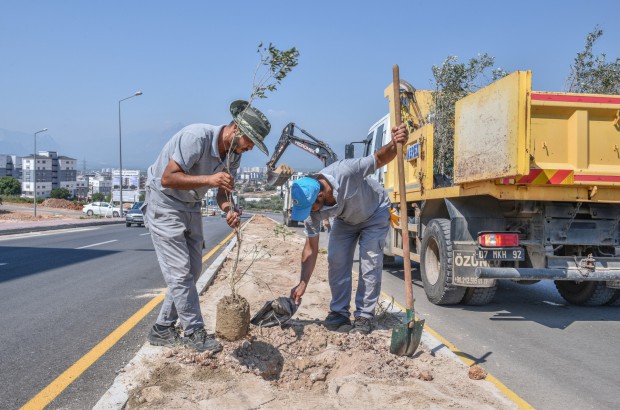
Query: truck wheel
[
  {"x": 389, "y": 260},
  {"x": 290, "y": 223},
  {"x": 479, "y": 296},
  {"x": 615, "y": 299},
  {"x": 436, "y": 264},
  {"x": 584, "y": 293}
]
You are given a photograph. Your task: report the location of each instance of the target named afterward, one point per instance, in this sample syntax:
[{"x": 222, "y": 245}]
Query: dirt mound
[
  {"x": 302, "y": 365},
  {"x": 61, "y": 204}
]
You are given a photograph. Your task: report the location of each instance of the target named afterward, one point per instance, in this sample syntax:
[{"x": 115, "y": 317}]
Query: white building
[
  {"x": 99, "y": 185},
  {"x": 52, "y": 171}
]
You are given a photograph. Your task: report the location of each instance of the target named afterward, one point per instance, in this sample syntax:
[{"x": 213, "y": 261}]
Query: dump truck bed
[{"x": 513, "y": 143}]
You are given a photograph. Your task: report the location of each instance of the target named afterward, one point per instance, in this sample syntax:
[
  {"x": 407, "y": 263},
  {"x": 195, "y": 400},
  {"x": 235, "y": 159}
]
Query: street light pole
[
  {"x": 35, "y": 170},
  {"x": 120, "y": 148}
]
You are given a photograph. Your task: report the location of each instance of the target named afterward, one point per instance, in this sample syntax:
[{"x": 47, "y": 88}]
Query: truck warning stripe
[
  {"x": 539, "y": 176},
  {"x": 575, "y": 98},
  {"x": 559, "y": 176}
]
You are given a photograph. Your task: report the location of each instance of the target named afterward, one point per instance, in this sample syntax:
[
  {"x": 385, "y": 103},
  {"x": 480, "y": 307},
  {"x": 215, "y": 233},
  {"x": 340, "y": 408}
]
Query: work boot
[
  {"x": 334, "y": 320},
  {"x": 361, "y": 325},
  {"x": 202, "y": 342},
  {"x": 163, "y": 335}
]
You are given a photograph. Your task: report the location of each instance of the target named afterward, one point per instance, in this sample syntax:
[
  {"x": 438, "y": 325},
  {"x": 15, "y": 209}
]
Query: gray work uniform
[
  {"x": 361, "y": 213},
  {"x": 175, "y": 222}
]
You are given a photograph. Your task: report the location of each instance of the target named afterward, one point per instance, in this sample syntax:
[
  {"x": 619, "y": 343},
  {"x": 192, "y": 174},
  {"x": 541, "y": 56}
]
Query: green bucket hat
[{"x": 252, "y": 123}]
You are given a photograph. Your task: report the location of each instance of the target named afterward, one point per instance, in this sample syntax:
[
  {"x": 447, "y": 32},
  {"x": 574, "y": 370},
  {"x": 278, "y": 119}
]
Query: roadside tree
[
  {"x": 10, "y": 186},
  {"x": 60, "y": 193},
  {"x": 98, "y": 197},
  {"x": 594, "y": 74}
]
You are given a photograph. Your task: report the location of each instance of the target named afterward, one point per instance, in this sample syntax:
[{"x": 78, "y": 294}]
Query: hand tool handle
[{"x": 404, "y": 220}]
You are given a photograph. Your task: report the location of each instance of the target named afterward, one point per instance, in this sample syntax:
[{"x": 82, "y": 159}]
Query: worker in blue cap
[{"x": 360, "y": 208}]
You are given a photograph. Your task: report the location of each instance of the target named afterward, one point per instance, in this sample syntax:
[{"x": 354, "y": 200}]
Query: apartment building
[
  {"x": 6, "y": 165},
  {"x": 50, "y": 171}
]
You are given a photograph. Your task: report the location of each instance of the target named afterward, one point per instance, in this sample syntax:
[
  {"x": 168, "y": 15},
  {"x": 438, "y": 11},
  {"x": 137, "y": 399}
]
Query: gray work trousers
[
  {"x": 178, "y": 239},
  {"x": 342, "y": 241}
]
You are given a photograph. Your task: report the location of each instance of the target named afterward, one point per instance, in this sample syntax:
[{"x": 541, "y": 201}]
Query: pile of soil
[
  {"x": 61, "y": 204},
  {"x": 301, "y": 365},
  {"x": 45, "y": 212}
]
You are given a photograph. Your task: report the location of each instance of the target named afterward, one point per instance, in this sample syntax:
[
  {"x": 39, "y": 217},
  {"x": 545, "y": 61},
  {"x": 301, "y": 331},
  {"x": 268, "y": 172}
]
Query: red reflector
[{"x": 492, "y": 240}]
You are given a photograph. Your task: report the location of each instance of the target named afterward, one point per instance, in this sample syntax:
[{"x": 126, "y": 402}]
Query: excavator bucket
[{"x": 279, "y": 176}]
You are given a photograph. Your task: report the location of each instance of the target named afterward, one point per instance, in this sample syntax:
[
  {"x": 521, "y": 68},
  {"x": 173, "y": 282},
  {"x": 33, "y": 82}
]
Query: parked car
[
  {"x": 134, "y": 215},
  {"x": 101, "y": 209}
]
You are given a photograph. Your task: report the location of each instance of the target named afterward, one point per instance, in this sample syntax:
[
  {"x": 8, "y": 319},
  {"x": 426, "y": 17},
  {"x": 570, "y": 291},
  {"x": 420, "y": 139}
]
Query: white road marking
[
  {"x": 142, "y": 234},
  {"x": 96, "y": 244},
  {"x": 42, "y": 233},
  {"x": 2, "y": 264}
]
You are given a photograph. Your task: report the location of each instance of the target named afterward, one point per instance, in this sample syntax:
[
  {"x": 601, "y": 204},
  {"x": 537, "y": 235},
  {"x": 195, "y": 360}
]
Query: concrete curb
[{"x": 117, "y": 395}]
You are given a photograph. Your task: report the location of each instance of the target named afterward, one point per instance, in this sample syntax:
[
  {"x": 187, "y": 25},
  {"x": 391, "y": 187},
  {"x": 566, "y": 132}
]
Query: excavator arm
[{"x": 278, "y": 176}]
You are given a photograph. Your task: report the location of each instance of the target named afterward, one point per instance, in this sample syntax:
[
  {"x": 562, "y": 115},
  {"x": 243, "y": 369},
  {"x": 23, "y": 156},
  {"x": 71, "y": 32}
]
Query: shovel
[
  {"x": 279, "y": 176},
  {"x": 405, "y": 337}
]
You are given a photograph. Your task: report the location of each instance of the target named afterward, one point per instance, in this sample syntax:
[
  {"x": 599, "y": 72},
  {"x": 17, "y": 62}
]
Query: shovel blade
[
  {"x": 406, "y": 339},
  {"x": 279, "y": 176}
]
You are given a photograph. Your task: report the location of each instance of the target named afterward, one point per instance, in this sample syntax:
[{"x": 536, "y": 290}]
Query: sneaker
[
  {"x": 334, "y": 320},
  {"x": 202, "y": 342},
  {"x": 361, "y": 325},
  {"x": 163, "y": 335}
]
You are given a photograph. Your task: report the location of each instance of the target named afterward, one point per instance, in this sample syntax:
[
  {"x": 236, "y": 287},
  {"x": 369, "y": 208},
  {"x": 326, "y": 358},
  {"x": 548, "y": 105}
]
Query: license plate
[{"x": 510, "y": 254}]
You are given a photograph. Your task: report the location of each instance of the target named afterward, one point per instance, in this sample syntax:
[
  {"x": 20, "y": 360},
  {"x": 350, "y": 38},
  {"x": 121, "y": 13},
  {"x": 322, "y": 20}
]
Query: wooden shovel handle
[{"x": 404, "y": 220}]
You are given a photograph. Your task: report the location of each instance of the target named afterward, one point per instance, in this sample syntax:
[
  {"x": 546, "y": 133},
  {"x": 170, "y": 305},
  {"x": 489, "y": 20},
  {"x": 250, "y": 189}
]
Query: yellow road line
[
  {"x": 219, "y": 245},
  {"x": 49, "y": 393},
  {"x": 465, "y": 359}
]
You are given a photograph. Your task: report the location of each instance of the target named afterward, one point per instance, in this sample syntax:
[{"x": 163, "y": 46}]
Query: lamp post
[
  {"x": 35, "y": 170},
  {"x": 120, "y": 148}
]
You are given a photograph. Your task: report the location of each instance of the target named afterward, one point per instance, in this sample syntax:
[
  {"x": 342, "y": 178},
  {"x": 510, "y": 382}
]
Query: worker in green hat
[{"x": 197, "y": 158}]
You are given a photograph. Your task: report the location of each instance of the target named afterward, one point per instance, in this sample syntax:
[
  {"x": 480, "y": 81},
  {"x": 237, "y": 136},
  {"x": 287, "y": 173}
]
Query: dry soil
[{"x": 301, "y": 365}]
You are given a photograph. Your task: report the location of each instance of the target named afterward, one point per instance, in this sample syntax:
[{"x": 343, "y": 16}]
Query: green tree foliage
[
  {"x": 98, "y": 197},
  {"x": 60, "y": 193},
  {"x": 274, "y": 203},
  {"x": 594, "y": 74},
  {"x": 10, "y": 186},
  {"x": 453, "y": 81},
  {"x": 275, "y": 65}
]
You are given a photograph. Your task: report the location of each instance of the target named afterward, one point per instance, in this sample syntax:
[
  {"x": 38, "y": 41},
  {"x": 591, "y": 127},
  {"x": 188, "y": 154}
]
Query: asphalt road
[
  {"x": 553, "y": 355},
  {"x": 63, "y": 292}
]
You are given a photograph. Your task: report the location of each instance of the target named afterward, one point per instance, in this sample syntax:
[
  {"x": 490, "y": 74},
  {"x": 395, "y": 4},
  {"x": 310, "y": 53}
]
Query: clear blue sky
[{"x": 65, "y": 64}]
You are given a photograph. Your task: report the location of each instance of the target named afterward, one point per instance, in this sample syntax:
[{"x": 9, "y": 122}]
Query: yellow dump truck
[{"x": 535, "y": 194}]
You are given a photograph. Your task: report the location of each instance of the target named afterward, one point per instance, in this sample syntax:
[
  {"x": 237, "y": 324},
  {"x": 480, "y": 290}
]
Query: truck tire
[
  {"x": 436, "y": 264},
  {"x": 479, "y": 296},
  {"x": 389, "y": 260},
  {"x": 584, "y": 293},
  {"x": 615, "y": 299}
]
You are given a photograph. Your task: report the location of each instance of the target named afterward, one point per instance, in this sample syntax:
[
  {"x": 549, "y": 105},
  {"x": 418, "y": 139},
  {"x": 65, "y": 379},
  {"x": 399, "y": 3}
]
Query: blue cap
[{"x": 304, "y": 192}]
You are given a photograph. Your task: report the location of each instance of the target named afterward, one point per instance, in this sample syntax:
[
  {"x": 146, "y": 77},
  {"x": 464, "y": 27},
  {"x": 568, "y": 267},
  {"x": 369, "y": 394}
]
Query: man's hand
[
  {"x": 232, "y": 219},
  {"x": 387, "y": 153},
  {"x": 222, "y": 180},
  {"x": 400, "y": 134},
  {"x": 297, "y": 292}
]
